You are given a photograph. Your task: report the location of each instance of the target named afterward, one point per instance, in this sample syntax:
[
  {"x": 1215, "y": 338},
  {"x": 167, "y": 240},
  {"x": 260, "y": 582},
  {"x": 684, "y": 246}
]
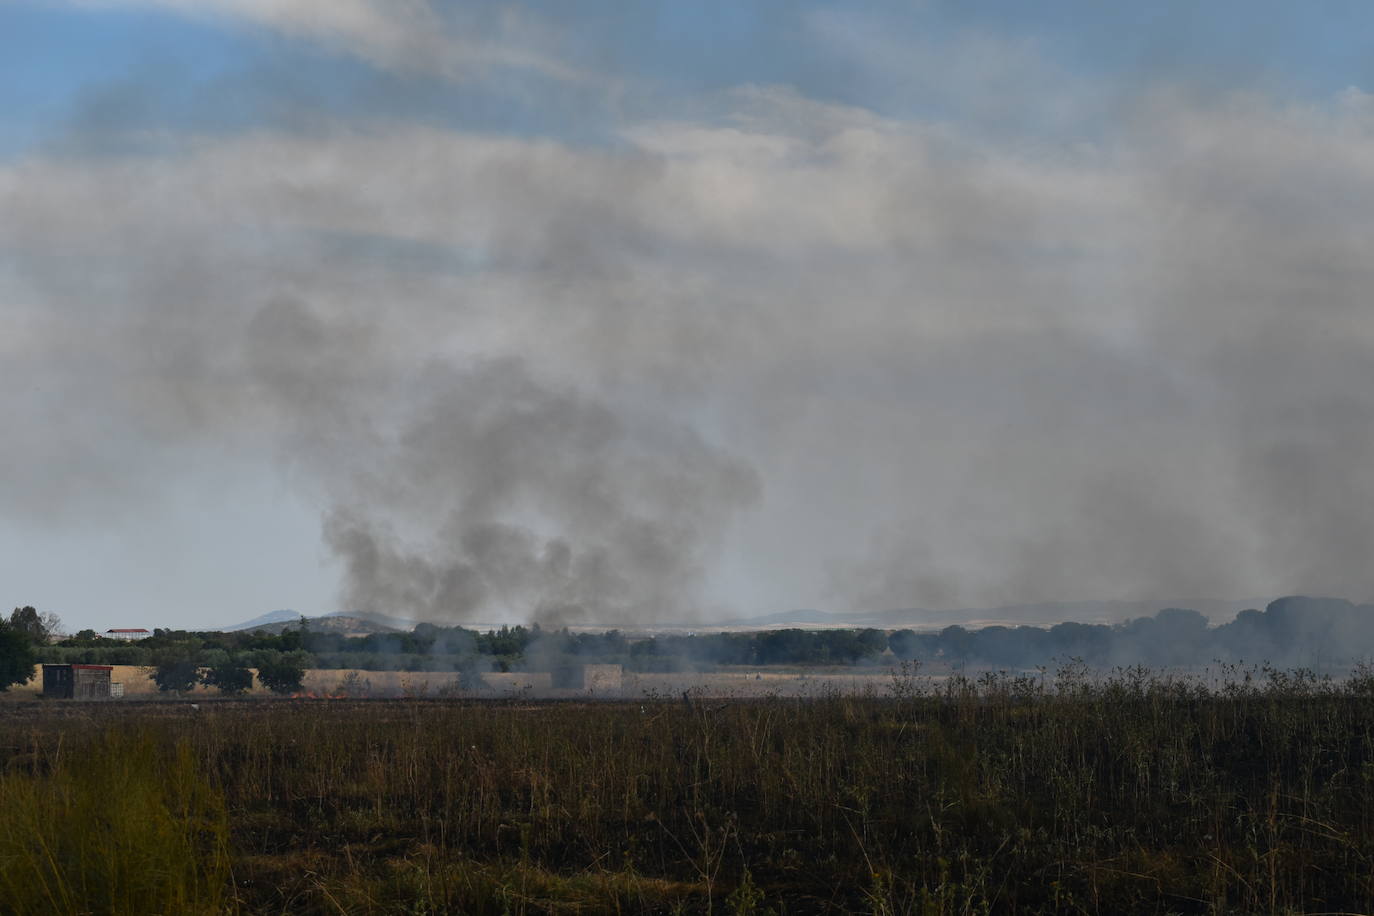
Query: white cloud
[
  {"x": 1021, "y": 371},
  {"x": 403, "y": 35}
]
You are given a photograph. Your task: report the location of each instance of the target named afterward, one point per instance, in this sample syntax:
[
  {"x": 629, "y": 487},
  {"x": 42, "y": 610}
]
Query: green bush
[
  {"x": 282, "y": 674},
  {"x": 16, "y": 657},
  {"x": 228, "y": 678},
  {"x": 179, "y": 673}
]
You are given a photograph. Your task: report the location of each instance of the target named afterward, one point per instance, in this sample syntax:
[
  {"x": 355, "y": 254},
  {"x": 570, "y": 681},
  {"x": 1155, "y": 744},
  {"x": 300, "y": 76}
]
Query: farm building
[
  {"x": 79, "y": 682},
  {"x": 127, "y": 633},
  {"x": 603, "y": 679}
]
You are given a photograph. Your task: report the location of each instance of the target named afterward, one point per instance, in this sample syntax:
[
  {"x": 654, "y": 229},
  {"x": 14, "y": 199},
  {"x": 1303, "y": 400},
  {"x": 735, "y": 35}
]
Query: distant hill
[
  {"x": 347, "y": 624},
  {"x": 266, "y": 620},
  {"x": 797, "y": 618},
  {"x": 1041, "y": 615},
  {"x": 1046, "y": 614}
]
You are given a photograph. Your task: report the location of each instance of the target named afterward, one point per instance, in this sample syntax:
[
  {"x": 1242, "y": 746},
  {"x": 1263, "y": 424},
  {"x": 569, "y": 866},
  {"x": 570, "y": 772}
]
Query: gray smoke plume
[
  {"x": 751, "y": 349},
  {"x": 480, "y": 488},
  {"x": 536, "y": 503}
]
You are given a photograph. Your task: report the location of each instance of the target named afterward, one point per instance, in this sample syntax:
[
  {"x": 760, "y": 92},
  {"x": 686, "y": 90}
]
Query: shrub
[
  {"x": 177, "y": 673},
  {"x": 16, "y": 657},
  {"x": 281, "y": 675},
  {"x": 229, "y": 678},
  {"x": 354, "y": 684}
]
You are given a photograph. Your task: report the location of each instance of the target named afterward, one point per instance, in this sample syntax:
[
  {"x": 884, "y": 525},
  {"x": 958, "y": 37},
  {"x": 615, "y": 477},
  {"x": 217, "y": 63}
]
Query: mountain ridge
[{"x": 340, "y": 621}]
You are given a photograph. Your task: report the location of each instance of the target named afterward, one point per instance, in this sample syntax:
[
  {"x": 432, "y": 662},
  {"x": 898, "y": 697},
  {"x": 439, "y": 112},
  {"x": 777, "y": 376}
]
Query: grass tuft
[{"x": 127, "y": 824}]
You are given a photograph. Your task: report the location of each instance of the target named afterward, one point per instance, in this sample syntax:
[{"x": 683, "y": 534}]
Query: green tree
[
  {"x": 25, "y": 620},
  {"x": 228, "y": 678},
  {"x": 904, "y": 644},
  {"x": 291, "y": 640},
  {"x": 282, "y": 674},
  {"x": 16, "y": 657},
  {"x": 873, "y": 641},
  {"x": 37, "y": 627},
  {"x": 176, "y": 672}
]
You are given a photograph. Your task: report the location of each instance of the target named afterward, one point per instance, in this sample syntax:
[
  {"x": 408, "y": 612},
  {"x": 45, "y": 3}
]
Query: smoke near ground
[
  {"x": 747, "y": 351},
  {"x": 532, "y": 502}
]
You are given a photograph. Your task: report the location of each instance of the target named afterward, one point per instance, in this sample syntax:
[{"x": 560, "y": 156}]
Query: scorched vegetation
[{"x": 1134, "y": 793}]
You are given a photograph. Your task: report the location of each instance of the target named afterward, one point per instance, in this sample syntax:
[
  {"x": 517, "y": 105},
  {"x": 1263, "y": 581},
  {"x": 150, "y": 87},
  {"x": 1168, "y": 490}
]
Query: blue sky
[
  {"x": 132, "y": 66},
  {"x": 632, "y": 312}
]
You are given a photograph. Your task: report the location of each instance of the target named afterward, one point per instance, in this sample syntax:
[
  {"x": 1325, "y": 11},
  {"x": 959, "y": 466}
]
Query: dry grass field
[{"x": 1129, "y": 794}]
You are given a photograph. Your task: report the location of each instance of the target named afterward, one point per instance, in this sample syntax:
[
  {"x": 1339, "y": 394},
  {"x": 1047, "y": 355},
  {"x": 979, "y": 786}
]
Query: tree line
[
  {"x": 1319, "y": 633},
  {"x": 1314, "y": 632},
  {"x": 512, "y": 648}
]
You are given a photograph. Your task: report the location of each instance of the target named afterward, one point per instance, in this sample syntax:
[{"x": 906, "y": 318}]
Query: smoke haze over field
[{"x": 520, "y": 313}]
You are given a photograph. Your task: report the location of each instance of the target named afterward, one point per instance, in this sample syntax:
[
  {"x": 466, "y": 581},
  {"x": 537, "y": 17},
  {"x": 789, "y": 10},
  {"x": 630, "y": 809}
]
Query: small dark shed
[{"x": 79, "y": 682}]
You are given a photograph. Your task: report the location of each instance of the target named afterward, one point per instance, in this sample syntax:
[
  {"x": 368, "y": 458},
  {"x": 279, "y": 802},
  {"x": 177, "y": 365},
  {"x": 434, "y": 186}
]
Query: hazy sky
[{"x": 641, "y": 311}]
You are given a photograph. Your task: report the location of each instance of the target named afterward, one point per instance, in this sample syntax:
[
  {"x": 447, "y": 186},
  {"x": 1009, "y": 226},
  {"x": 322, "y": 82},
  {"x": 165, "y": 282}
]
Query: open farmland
[{"x": 1128, "y": 794}]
